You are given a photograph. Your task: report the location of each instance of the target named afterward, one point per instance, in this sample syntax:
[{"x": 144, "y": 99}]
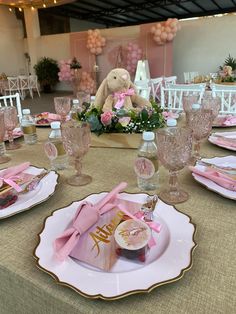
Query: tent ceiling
[{"x": 112, "y": 13}]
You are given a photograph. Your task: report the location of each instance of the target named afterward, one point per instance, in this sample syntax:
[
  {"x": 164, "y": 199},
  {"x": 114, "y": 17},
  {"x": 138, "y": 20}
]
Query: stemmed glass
[
  {"x": 3, "y": 157},
  {"x": 200, "y": 122},
  {"x": 62, "y": 107},
  {"x": 76, "y": 140},
  {"x": 174, "y": 152},
  {"x": 11, "y": 121},
  {"x": 211, "y": 103}
]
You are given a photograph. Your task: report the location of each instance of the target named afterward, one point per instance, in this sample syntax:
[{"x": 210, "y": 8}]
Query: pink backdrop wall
[{"x": 160, "y": 58}]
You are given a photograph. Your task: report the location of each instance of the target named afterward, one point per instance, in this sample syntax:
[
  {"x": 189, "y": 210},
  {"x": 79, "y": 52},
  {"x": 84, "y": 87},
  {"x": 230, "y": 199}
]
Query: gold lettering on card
[{"x": 103, "y": 234}]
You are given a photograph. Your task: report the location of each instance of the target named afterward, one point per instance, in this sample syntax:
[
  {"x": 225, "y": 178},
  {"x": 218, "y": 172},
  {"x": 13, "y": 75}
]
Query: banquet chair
[
  {"x": 167, "y": 80},
  {"x": 12, "y": 100},
  {"x": 156, "y": 84},
  {"x": 24, "y": 86},
  {"x": 33, "y": 82},
  {"x": 172, "y": 96},
  {"x": 227, "y": 94},
  {"x": 143, "y": 88},
  {"x": 12, "y": 85}
]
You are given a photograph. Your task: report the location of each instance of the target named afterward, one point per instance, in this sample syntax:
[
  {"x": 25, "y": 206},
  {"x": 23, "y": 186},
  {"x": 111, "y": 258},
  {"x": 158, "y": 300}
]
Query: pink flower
[
  {"x": 124, "y": 121},
  {"x": 106, "y": 117}
]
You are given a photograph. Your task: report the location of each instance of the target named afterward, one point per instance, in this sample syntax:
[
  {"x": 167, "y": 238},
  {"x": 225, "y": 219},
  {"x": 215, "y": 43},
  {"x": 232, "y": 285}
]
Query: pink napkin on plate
[
  {"x": 225, "y": 142},
  {"x": 230, "y": 120},
  {"x": 217, "y": 177},
  {"x": 86, "y": 216},
  {"x": 10, "y": 175}
]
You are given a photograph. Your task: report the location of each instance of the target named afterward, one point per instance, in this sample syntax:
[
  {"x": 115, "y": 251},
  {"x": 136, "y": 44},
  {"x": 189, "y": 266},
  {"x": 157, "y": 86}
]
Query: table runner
[{"x": 209, "y": 287}]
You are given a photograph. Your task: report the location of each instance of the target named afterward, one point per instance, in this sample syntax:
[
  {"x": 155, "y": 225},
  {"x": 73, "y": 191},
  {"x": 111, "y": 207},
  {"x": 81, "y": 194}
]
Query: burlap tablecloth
[{"x": 209, "y": 287}]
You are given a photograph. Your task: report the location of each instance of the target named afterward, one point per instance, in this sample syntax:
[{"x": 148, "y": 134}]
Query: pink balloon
[
  {"x": 174, "y": 29},
  {"x": 153, "y": 28},
  {"x": 168, "y": 29},
  {"x": 162, "y": 28},
  {"x": 99, "y": 50},
  {"x": 158, "y": 25},
  {"x": 163, "y": 36},
  {"x": 157, "y": 32},
  {"x": 93, "y": 50},
  {"x": 90, "y": 32},
  {"x": 170, "y": 37},
  {"x": 157, "y": 38}
]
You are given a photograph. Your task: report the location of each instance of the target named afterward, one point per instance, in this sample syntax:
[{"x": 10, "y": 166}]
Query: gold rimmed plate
[
  {"x": 166, "y": 262},
  {"x": 44, "y": 190}
]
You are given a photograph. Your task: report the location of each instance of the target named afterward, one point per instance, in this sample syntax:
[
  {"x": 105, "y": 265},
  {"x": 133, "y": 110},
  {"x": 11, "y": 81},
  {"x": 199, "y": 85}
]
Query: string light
[
  {"x": 44, "y": 5},
  {"x": 20, "y": 9},
  {"x": 55, "y": 1},
  {"x": 32, "y": 8},
  {"x": 10, "y": 9}
]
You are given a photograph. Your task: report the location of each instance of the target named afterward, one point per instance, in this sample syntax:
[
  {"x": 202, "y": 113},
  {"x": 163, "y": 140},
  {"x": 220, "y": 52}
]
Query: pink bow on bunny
[
  {"x": 121, "y": 97},
  {"x": 86, "y": 216}
]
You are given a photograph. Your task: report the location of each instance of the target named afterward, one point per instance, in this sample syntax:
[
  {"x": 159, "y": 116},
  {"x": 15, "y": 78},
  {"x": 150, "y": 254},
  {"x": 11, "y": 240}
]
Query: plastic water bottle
[
  {"x": 28, "y": 127},
  {"x": 170, "y": 123},
  {"x": 74, "y": 109},
  {"x": 146, "y": 164},
  {"x": 54, "y": 148}
]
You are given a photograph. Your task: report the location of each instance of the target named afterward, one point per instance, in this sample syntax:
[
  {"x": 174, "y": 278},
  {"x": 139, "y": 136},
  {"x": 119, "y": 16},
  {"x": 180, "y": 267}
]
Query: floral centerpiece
[
  {"x": 121, "y": 120},
  {"x": 227, "y": 71}
]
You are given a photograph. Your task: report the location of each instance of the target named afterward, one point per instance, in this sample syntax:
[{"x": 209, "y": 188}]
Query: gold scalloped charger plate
[
  {"x": 166, "y": 262},
  {"x": 44, "y": 190}
]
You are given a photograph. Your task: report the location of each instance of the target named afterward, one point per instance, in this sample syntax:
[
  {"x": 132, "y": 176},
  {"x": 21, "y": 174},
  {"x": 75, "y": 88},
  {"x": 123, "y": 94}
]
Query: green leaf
[{"x": 144, "y": 115}]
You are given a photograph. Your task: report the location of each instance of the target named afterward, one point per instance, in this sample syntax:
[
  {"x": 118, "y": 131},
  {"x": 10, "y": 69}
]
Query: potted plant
[{"x": 47, "y": 70}]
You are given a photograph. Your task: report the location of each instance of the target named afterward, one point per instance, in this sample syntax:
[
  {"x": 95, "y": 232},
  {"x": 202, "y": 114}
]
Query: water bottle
[
  {"x": 54, "y": 148},
  {"x": 170, "y": 123},
  {"x": 146, "y": 164},
  {"x": 28, "y": 127},
  {"x": 74, "y": 109}
]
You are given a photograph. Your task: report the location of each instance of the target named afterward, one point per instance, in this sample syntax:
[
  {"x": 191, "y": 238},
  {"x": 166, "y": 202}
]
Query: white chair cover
[
  {"x": 24, "y": 85},
  {"x": 12, "y": 86}
]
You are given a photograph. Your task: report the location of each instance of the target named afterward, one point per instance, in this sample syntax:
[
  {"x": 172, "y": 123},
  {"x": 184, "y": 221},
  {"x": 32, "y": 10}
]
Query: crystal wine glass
[
  {"x": 211, "y": 103},
  {"x": 3, "y": 157},
  {"x": 174, "y": 152},
  {"x": 200, "y": 122},
  {"x": 11, "y": 121},
  {"x": 62, "y": 107},
  {"x": 76, "y": 140}
]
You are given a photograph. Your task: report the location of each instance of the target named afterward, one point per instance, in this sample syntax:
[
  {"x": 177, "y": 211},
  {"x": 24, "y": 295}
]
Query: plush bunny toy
[{"x": 117, "y": 91}]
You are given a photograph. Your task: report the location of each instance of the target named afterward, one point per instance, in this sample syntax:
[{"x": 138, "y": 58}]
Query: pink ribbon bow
[
  {"x": 86, "y": 216},
  {"x": 9, "y": 175},
  {"x": 121, "y": 97}
]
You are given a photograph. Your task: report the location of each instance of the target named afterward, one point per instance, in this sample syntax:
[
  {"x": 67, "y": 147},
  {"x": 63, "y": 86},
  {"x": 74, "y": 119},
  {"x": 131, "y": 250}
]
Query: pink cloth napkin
[
  {"x": 9, "y": 175},
  {"x": 86, "y": 216},
  {"x": 51, "y": 116},
  {"x": 170, "y": 114},
  {"x": 217, "y": 177},
  {"x": 225, "y": 142},
  {"x": 230, "y": 120}
]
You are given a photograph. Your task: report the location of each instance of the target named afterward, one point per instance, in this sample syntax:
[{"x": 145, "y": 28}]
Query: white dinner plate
[
  {"x": 166, "y": 262},
  {"x": 218, "y": 124},
  {"x": 227, "y": 161},
  {"x": 230, "y": 135},
  {"x": 41, "y": 193}
]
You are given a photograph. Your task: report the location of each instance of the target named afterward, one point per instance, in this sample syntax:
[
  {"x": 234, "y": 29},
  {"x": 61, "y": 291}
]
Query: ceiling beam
[
  {"x": 181, "y": 6},
  {"x": 216, "y": 4},
  {"x": 234, "y": 3},
  {"x": 199, "y": 6}
]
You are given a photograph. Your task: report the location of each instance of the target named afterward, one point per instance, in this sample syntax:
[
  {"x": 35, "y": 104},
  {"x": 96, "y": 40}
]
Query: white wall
[
  {"x": 12, "y": 59},
  {"x": 203, "y": 44}
]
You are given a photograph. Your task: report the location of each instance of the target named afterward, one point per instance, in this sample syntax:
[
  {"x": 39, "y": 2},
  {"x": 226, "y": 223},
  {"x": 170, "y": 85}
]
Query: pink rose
[
  {"x": 106, "y": 117},
  {"x": 124, "y": 121}
]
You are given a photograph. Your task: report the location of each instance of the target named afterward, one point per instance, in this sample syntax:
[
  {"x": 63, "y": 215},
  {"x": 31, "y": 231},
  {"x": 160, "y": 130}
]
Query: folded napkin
[
  {"x": 49, "y": 116},
  {"x": 223, "y": 141},
  {"x": 170, "y": 115},
  {"x": 229, "y": 120},
  {"x": 219, "y": 178},
  {"x": 86, "y": 216},
  {"x": 11, "y": 174}
]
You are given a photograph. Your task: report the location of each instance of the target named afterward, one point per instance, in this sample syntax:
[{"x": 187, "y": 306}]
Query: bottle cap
[
  {"x": 195, "y": 106},
  {"x": 55, "y": 125},
  {"x": 92, "y": 98},
  {"x": 171, "y": 122},
  {"x": 26, "y": 111},
  {"x": 75, "y": 101},
  {"x": 148, "y": 136}
]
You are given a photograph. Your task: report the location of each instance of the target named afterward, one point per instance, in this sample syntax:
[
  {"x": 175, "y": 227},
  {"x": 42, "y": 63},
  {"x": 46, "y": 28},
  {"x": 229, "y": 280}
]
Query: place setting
[{"x": 224, "y": 139}]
